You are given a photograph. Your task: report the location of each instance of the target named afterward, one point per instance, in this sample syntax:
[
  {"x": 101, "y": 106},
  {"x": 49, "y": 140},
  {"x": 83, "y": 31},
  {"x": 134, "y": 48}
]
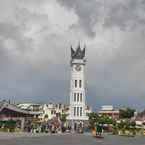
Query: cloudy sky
[{"x": 35, "y": 39}]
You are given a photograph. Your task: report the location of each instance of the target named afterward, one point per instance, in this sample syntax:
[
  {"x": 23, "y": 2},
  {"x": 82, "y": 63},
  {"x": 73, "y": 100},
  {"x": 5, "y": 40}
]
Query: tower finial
[
  {"x": 72, "y": 51},
  {"x": 84, "y": 45},
  {"x": 84, "y": 51},
  {"x": 79, "y": 45},
  {"x": 78, "y": 53}
]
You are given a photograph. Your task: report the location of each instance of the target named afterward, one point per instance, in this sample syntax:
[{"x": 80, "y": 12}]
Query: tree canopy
[{"x": 126, "y": 113}]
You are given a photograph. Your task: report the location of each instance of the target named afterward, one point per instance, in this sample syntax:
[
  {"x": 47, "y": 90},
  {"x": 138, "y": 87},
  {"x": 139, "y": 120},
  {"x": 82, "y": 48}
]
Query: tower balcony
[{"x": 78, "y": 61}]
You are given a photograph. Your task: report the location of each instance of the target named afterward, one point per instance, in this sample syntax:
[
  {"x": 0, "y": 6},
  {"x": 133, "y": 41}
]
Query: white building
[
  {"x": 53, "y": 110},
  {"x": 107, "y": 108},
  {"x": 46, "y": 111},
  {"x": 109, "y": 111},
  {"x": 77, "y": 114},
  {"x": 30, "y": 107}
]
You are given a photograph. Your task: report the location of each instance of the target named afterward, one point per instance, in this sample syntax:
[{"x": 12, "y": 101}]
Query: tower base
[{"x": 77, "y": 125}]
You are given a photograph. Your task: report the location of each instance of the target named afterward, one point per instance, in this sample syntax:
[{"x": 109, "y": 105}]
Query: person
[
  {"x": 52, "y": 129},
  {"x": 99, "y": 129}
]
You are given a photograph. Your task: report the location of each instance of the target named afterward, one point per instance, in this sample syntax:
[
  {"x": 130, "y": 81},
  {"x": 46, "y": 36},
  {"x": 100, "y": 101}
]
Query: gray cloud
[
  {"x": 34, "y": 50},
  {"x": 126, "y": 14},
  {"x": 120, "y": 80},
  {"x": 88, "y": 13}
]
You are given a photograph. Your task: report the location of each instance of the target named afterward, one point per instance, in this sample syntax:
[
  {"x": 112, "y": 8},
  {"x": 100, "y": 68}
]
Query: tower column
[{"x": 77, "y": 86}]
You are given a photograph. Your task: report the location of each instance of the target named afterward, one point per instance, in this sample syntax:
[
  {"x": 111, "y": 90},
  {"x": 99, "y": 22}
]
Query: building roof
[
  {"x": 5, "y": 105},
  {"x": 27, "y": 106},
  {"x": 107, "y": 108},
  {"x": 109, "y": 111}
]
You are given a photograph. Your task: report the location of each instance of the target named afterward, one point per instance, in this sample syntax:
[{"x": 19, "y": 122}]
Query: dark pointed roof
[{"x": 78, "y": 53}]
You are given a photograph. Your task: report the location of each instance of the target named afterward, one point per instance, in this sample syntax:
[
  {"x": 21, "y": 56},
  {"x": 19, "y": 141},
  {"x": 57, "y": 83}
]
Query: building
[
  {"x": 109, "y": 111},
  {"x": 53, "y": 110},
  {"x": 77, "y": 113},
  {"x": 12, "y": 112},
  {"x": 88, "y": 109},
  {"x": 49, "y": 112},
  {"x": 140, "y": 118},
  {"x": 46, "y": 111},
  {"x": 62, "y": 108},
  {"x": 30, "y": 107}
]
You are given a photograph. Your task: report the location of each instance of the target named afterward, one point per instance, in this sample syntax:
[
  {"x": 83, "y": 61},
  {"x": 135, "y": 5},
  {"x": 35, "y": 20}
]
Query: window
[
  {"x": 81, "y": 97},
  {"x": 74, "y": 111},
  {"x": 78, "y": 97},
  {"x": 80, "y": 111},
  {"x": 53, "y": 112},
  {"x": 77, "y": 111},
  {"x": 75, "y": 83},
  {"x": 80, "y": 83},
  {"x": 75, "y": 95}
]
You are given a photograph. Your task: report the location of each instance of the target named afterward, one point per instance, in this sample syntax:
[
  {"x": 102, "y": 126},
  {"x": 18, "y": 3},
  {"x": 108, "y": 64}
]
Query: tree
[
  {"x": 104, "y": 119},
  {"x": 63, "y": 121},
  {"x": 11, "y": 125},
  {"x": 63, "y": 117},
  {"x": 126, "y": 113},
  {"x": 93, "y": 117},
  {"x": 46, "y": 116}
]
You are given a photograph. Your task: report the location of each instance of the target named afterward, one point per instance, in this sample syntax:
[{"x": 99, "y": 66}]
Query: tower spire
[
  {"x": 78, "y": 53},
  {"x": 72, "y": 51}
]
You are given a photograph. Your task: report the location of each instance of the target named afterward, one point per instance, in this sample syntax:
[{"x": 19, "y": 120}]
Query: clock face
[{"x": 78, "y": 67}]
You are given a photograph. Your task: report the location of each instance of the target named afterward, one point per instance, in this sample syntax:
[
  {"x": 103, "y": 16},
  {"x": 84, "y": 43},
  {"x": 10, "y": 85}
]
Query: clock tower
[{"x": 77, "y": 114}]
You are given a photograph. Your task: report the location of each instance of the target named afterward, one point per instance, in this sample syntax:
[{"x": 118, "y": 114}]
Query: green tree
[
  {"x": 63, "y": 117},
  {"x": 11, "y": 125},
  {"x": 104, "y": 119},
  {"x": 126, "y": 113},
  {"x": 93, "y": 117},
  {"x": 46, "y": 116}
]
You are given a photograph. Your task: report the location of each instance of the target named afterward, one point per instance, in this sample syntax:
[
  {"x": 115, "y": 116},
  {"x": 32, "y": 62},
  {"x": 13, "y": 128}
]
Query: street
[{"x": 72, "y": 139}]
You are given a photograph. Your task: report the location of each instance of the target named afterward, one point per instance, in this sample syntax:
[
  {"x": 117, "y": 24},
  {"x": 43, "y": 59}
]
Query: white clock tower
[{"x": 77, "y": 113}]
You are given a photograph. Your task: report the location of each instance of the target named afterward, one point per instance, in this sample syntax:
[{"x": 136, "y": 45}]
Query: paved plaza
[{"x": 69, "y": 139}]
